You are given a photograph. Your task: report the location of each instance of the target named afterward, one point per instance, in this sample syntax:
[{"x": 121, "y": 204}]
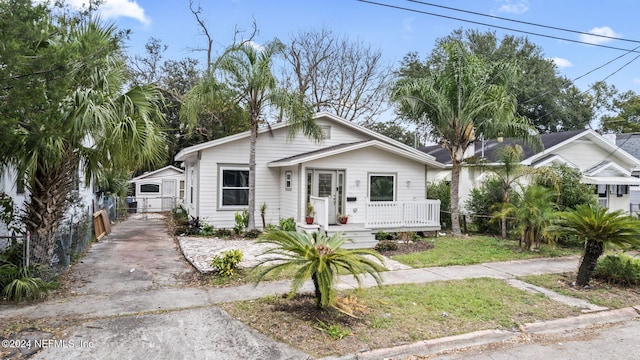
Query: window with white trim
[
  {"x": 234, "y": 187},
  {"x": 382, "y": 187},
  {"x": 150, "y": 188}
]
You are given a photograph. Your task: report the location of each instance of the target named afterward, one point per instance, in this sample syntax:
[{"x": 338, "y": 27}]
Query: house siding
[{"x": 358, "y": 164}]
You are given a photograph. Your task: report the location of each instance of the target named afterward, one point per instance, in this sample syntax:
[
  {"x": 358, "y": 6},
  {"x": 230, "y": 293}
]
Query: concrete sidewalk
[{"x": 171, "y": 298}]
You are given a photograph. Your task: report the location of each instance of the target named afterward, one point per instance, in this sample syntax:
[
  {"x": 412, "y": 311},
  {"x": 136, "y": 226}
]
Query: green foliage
[
  {"x": 334, "y": 331},
  {"x": 242, "y": 221},
  {"x": 227, "y": 262},
  {"x": 288, "y": 224},
  {"x": 252, "y": 234},
  {"x": 568, "y": 186},
  {"x": 597, "y": 227},
  {"x": 618, "y": 269},
  {"x": 481, "y": 205},
  {"x": 310, "y": 212},
  {"x": 7, "y": 209},
  {"x": 318, "y": 257},
  {"x": 386, "y": 245},
  {"x": 534, "y": 214},
  {"x": 224, "y": 233},
  {"x": 382, "y": 235},
  {"x": 442, "y": 191},
  {"x": 207, "y": 230},
  {"x": 19, "y": 282}
]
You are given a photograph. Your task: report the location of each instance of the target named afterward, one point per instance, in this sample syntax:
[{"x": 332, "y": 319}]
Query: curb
[{"x": 485, "y": 337}]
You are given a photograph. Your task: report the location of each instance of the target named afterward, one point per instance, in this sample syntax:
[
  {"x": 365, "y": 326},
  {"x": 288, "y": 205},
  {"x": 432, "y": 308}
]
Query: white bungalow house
[
  {"x": 602, "y": 163},
  {"x": 158, "y": 190},
  {"x": 378, "y": 182}
]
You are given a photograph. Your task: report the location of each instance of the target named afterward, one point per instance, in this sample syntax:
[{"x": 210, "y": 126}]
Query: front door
[
  {"x": 330, "y": 184},
  {"x": 168, "y": 194}
]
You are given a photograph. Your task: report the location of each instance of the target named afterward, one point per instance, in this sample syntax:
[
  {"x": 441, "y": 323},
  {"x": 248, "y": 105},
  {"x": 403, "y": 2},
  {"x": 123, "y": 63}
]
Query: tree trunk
[
  {"x": 455, "y": 211},
  {"x": 592, "y": 251},
  {"x": 252, "y": 172},
  {"x": 503, "y": 225},
  {"x": 314, "y": 277},
  {"x": 45, "y": 208}
]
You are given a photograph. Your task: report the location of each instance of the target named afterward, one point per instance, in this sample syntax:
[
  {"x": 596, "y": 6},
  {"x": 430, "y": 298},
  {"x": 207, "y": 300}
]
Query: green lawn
[
  {"x": 477, "y": 249},
  {"x": 398, "y": 314}
]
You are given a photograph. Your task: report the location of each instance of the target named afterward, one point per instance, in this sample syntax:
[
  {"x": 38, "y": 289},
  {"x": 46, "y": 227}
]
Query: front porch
[{"x": 387, "y": 216}]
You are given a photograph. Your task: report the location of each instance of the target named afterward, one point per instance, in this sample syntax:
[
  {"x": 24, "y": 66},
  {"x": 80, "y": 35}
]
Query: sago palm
[
  {"x": 597, "y": 226},
  {"x": 463, "y": 98},
  {"x": 319, "y": 258}
]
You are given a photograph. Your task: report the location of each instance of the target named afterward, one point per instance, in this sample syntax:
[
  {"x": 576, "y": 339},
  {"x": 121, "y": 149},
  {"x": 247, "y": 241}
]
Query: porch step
[{"x": 362, "y": 239}]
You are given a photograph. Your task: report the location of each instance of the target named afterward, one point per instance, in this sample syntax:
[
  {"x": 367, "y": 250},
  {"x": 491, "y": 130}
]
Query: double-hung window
[{"x": 234, "y": 187}]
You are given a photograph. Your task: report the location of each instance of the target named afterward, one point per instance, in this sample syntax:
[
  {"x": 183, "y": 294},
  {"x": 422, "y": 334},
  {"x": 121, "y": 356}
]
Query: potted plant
[
  {"x": 310, "y": 213},
  {"x": 342, "y": 218}
]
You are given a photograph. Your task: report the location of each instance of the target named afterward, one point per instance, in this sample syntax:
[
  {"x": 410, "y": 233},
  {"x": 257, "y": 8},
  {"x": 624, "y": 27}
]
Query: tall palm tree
[
  {"x": 463, "y": 98},
  {"x": 597, "y": 226},
  {"x": 319, "y": 258},
  {"x": 91, "y": 125},
  {"x": 246, "y": 71}
]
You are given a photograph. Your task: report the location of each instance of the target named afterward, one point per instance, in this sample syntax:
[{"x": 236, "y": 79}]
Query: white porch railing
[
  {"x": 392, "y": 214},
  {"x": 321, "y": 207}
]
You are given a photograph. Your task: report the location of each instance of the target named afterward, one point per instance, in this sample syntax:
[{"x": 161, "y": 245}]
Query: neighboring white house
[
  {"x": 9, "y": 185},
  {"x": 602, "y": 163},
  {"x": 158, "y": 190},
  {"x": 378, "y": 182}
]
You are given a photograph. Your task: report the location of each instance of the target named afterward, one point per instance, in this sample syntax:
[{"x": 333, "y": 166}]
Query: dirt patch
[{"x": 407, "y": 247}]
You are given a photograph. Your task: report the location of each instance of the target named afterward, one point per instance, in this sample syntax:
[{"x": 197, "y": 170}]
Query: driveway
[{"x": 129, "y": 301}]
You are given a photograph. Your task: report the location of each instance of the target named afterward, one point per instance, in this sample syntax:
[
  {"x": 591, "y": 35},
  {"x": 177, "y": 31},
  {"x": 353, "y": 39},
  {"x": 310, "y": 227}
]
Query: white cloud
[
  {"x": 514, "y": 7},
  {"x": 561, "y": 63},
  {"x": 113, "y": 9},
  {"x": 605, "y": 30}
]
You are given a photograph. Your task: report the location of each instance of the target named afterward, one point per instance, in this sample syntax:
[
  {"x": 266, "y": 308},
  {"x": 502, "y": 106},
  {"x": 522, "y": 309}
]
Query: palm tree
[
  {"x": 534, "y": 214},
  {"x": 318, "y": 257},
  {"x": 247, "y": 72},
  {"x": 463, "y": 98},
  {"x": 597, "y": 227},
  {"x": 91, "y": 125}
]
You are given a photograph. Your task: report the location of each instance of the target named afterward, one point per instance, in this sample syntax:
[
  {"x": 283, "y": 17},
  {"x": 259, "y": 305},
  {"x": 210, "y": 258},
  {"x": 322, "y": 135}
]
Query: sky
[{"x": 396, "y": 32}]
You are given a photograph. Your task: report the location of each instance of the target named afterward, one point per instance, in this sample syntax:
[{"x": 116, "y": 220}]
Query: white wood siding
[
  {"x": 586, "y": 154},
  {"x": 358, "y": 164}
]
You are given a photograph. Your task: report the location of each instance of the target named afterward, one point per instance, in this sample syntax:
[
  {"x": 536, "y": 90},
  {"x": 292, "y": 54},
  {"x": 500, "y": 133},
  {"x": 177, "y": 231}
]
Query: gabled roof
[
  {"x": 343, "y": 148},
  {"x": 629, "y": 142},
  {"x": 186, "y": 152},
  {"x": 155, "y": 172},
  {"x": 551, "y": 143}
]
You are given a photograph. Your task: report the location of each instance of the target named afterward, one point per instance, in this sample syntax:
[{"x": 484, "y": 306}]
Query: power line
[
  {"x": 523, "y": 22},
  {"x": 494, "y": 26}
]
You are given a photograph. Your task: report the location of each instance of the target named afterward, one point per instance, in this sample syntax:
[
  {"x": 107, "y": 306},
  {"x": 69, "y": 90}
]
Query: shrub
[
  {"x": 381, "y": 235},
  {"x": 442, "y": 191},
  {"x": 242, "y": 221},
  {"x": 288, "y": 224},
  {"x": 19, "y": 282},
  {"x": 386, "y": 245},
  {"x": 252, "y": 234},
  {"x": 194, "y": 226},
  {"x": 618, "y": 269},
  {"x": 481, "y": 205},
  {"x": 207, "y": 230},
  {"x": 227, "y": 262},
  {"x": 224, "y": 233}
]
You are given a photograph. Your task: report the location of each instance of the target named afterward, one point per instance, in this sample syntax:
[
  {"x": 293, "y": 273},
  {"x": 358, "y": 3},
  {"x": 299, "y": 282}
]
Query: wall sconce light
[
  {"x": 408, "y": 183},
  {"x": 358, "y": 183}
]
